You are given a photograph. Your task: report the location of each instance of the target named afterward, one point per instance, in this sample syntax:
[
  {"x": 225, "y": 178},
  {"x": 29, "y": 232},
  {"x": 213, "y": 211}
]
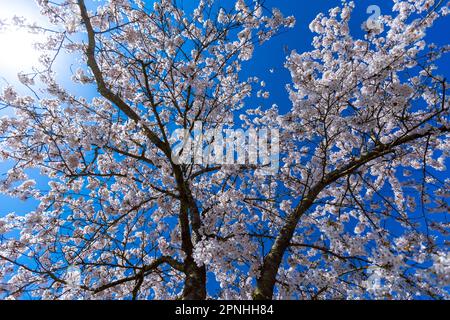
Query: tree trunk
[
  {"x": 265, "y": 284},
  {"x": 195, "y": 276},
  {"x": 195, "y": 281}
]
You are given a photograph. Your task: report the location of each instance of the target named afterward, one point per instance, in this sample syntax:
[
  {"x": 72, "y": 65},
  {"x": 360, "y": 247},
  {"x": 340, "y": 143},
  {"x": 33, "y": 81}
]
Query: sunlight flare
[
  {"x": 18, "y": 53},
  {"x": 17, "y": 49}
]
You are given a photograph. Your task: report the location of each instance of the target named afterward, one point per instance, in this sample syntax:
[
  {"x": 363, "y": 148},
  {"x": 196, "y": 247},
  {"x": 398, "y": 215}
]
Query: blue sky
[{"x": 273, "y": 53}]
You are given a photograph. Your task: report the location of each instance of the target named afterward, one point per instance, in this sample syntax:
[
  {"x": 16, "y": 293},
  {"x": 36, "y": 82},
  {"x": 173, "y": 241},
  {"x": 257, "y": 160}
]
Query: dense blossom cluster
[{"x": 358, "y": 196}]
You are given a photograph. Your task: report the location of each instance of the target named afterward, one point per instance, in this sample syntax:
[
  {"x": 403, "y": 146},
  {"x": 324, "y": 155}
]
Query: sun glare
[{"x": 17, "y": 52}]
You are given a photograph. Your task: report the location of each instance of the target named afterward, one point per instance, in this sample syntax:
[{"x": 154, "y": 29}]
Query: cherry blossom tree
[
  {"x": 358, "y": 208},
  {"x": 367, "y": 133}
]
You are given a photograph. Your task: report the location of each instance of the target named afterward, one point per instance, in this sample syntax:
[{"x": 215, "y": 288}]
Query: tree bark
[
  {"x": 195, "y": 281},
  {"x": 265, "y": 284}
]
